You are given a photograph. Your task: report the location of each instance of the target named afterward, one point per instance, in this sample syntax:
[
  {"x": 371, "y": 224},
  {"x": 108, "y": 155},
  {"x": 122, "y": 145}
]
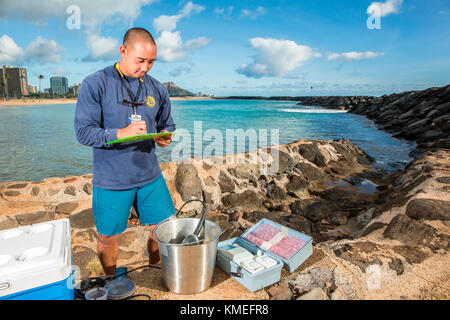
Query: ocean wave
[{"x": 313, "y": 111}]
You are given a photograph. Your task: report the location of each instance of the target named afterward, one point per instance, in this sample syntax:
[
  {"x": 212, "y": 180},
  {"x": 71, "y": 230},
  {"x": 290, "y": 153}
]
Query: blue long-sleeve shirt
[{"x": 100, "y": 112}]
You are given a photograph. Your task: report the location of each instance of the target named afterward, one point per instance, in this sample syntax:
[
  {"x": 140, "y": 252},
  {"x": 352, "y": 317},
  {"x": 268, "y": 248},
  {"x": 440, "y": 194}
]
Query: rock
[
  {"x": 430, "y": 134},
  {"x": 70, "y": 190},
  {"x": 411, "y": 255},
  {"x": 88, "y": 235},
  {"x": 321, "y": 277},
  {"x": 312, "y": 153},
  {"x": 314, "y": 294},
  {"x": 340, "y": 193},
  {"x": 188, "y": 183},
  {"x": 298, "y": 207},
  {"x": 300, "y": 224},
  {"x": 81, "y": 257},
  {"x": 12, "y": 193},
  {"x": 246, "y": 200},
  {"x": 286, "y": 162},
  {"x": 7, "y": 222},
  {"x": 226, "y": 184},
  {"x": 364, "y": 218},
  {"x": 321, "y": 209},
  {"x": 302, "y": 283},
  {"x": 127, "y": 238},
  {"x": 209, "y": 181},
  {"x": 250, "y": 172},
  {"x": 359, "y": 253},
  {"x": 83, "y": 219},
  {"x": 35, "y": 191},
  {"x": 276, "y": 216},
  {"x": 309, "y": 171},
  {"x": 17, "y": 186},
  {"x": 430, "y": 209},
  {"x": 230, "y": 233},
  {"x": 445, "y": 180},
  {"x": 34, "y": 217},
  {"x": 409, "y": 231},
  {"x": 318, "y": 237},
  {"x": 87, "y": 188},
  {"x": 66, "y": 207},
  {"x": 397, "y": 265},
  {"x": 70, "y": 180},
  {"x": 372, "y": 227},
  {"x": 280, "y": 292},
  {"x": 275, "y": 193},
  {"x": 298, "y": 186}
]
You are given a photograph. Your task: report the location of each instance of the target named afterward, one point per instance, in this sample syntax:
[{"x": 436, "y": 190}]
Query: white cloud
[
  {"x": 253, "y": 15},
  {"x": 102, "y": 48},
  {"x": 353, "y": 55},
  {"x": 42, "y": 50},
  {"x": 170, "y": 46},
  {"x": 169, "y": 23},
  {"x": 276, "y": 58},
  {"x": 169, "y": 43},
  {"x": 191, "y": 7},
  {"x": 384, "y": 8},
  {"x": 166, "y": 23},
  {"x": 93, "y": 13},
  {"x": 10, "y": 52},
  {"x": 196, "y": 43},
  {"x": 225, "y": 12}
]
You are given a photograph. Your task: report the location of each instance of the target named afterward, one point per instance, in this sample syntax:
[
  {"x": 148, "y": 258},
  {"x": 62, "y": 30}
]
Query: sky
[{"x": 246, "y": 47}]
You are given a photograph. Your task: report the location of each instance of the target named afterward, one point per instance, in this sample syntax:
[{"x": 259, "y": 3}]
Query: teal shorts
[{"x": 111, "y": 208}]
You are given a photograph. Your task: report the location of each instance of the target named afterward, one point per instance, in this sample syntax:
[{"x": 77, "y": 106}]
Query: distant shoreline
[{"x": 31, "y": 102}]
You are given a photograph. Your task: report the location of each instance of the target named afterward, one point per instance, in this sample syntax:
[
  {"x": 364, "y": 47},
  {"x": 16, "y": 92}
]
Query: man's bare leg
[
  {"x": 107, "y": 251},
  {"x": 152, "y": 247}
]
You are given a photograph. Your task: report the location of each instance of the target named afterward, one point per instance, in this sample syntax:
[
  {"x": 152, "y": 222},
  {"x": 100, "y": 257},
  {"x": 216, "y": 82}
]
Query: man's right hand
[{"x": 134, "y": 129}]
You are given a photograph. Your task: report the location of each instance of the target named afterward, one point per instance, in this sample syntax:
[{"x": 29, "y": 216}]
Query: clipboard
[{"x": 140, "y": 137}]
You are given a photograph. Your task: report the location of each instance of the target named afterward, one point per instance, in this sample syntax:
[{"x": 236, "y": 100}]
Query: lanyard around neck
[{"x": 130, "y": 93}]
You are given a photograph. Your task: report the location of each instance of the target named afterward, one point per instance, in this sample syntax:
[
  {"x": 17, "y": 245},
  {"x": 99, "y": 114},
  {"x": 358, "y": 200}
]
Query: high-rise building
[
  {"x": 32, "y": 89},
  {"x": 59, "y": 85},
  {"x": 13, "y": 82},
  {"x": 75, "y": 88}
]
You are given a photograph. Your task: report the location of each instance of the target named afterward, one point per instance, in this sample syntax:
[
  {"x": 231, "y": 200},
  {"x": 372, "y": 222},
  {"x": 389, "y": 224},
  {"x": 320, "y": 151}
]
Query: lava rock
[
  {"x": 187, "y": 182},
  {"x": 430, "y": 209}
]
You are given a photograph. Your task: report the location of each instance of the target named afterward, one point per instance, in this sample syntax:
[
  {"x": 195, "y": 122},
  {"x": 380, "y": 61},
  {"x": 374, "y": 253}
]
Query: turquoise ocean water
[{"x": 37, "y": 142}]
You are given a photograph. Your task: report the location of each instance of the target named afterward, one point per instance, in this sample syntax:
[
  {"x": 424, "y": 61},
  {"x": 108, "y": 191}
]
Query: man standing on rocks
[{"x": 116, "y": 102}]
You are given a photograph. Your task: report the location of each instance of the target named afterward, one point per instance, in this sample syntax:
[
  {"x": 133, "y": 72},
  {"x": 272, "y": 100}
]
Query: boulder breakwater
[{"x": 376, "y": 236}]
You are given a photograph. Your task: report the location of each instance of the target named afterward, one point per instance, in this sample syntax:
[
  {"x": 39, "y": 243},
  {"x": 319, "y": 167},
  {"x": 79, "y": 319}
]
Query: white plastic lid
[{"x": 35, "y": 255}]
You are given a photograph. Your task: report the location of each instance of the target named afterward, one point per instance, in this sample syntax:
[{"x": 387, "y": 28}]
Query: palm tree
[{"x": 40, "y": 78}]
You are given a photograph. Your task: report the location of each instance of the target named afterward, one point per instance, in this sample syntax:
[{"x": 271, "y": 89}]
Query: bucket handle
[{"x": 179, "y": 210}]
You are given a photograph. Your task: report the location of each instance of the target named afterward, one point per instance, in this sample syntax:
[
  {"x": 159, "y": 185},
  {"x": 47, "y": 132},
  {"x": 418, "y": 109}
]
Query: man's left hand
[{"x": 163, "y": 141}]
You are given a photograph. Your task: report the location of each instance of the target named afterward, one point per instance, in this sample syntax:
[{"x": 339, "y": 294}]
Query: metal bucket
[{"x": 187, "y": 269}]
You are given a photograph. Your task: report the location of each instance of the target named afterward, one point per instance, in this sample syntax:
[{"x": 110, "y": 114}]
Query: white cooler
[{"x": 36, "y": 262}]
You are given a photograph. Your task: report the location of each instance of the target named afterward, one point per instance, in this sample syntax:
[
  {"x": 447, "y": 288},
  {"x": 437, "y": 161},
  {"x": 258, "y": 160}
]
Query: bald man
[{"x": 119, "y": 101}]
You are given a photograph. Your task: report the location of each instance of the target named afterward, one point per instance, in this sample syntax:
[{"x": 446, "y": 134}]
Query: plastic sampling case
[
  {"x": 36, "y": 262},
  {"x": 255, "y": 259}
]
